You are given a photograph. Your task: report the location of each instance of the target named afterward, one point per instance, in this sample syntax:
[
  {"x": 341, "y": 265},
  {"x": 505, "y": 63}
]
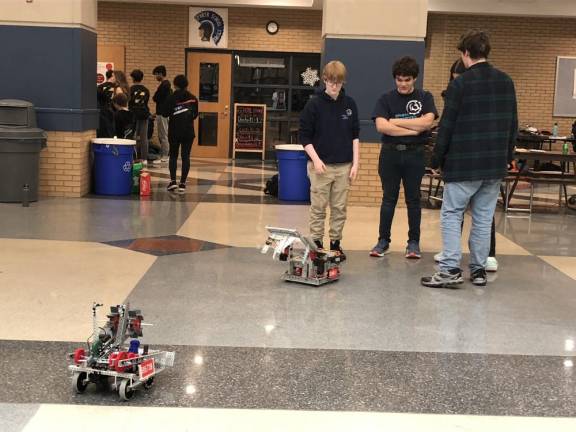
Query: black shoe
[
  {"x": 450, "y": 279},
  {"x": 478, "y": 277},
  {"x": 319, "y": 244},
  {"x": 182, "y": 188},
  {"x": 335, "y": 246},
  {"x": 172, "y": 186}
]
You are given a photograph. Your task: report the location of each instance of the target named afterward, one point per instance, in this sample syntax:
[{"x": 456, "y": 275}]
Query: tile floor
[{"x": 374, "y": 351}]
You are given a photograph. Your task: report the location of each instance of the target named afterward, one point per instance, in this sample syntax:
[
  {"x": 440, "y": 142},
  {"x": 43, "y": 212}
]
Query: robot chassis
[
  {"x": 107, "y": 355},
  {"x": 308, "y": 265}
]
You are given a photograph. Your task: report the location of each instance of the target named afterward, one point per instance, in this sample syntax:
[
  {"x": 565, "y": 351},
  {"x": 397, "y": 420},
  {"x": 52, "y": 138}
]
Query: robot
[
  {"x": 307, "y": 264},
  {"x": 107, "y": 355}
]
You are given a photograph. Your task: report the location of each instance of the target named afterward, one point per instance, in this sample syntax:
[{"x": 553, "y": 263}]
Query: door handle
[{"x": 226, "y": 110}]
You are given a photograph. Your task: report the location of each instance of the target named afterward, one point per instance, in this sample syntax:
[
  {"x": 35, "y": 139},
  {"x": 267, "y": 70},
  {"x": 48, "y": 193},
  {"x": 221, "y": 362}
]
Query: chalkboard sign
[{"x": 249, "y": 128}]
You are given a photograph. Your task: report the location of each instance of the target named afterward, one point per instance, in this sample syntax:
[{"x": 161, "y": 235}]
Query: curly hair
[{"x": 407, "y": 67}]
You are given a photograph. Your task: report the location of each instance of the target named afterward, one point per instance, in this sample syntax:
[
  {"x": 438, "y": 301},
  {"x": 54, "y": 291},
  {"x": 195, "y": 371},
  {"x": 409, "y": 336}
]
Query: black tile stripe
[{"x": 301, "y": 379}]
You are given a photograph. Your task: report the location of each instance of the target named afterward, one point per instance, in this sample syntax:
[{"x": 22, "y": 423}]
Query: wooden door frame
[{"x": 230, "y": 102}]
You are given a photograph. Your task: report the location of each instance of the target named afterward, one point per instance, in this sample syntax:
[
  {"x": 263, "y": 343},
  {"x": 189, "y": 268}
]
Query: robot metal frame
[
  {"x": 306, "y": 264},
  {"x": 107, "y": 355}
]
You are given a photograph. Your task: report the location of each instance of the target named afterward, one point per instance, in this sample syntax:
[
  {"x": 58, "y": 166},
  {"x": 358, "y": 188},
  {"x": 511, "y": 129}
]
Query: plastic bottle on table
[{"x": 555, "y": 130}]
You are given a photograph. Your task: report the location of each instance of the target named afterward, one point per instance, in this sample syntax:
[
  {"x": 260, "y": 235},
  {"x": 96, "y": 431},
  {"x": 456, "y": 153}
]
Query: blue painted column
[
  {"x": 48, "y": 54},
  {"x": 368, "y": 36}
]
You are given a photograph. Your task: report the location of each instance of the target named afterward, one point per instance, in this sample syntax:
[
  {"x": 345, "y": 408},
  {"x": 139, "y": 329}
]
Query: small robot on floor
[
  {"x": 108, "y": 358},
  {"x": 306, "y": 264}
]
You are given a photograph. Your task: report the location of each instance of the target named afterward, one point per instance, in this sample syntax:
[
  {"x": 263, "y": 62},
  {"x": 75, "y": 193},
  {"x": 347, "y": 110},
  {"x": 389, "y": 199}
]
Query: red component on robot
[
  {"x": 333, "y": 273},
  {"x": 79, "y": 355},
  {"x": 112, "y": 360},
  {"x": 121, "y": 356}
]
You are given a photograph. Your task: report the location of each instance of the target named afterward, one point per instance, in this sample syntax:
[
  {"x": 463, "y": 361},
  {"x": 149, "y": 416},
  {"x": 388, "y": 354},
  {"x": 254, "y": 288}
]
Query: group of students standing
[
  {"x": 473, "y": 150},
  {"x": 124, "y": 113}
]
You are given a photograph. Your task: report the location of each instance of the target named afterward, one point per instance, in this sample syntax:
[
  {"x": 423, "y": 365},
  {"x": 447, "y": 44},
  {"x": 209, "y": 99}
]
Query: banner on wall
[
  {"x": 101, "y": 68},
  {"x": 208, "y": 27}
]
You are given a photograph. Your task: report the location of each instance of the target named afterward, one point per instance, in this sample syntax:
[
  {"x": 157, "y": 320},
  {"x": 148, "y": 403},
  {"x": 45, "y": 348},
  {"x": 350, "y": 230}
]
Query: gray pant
[{"x": 162, "y": 128}]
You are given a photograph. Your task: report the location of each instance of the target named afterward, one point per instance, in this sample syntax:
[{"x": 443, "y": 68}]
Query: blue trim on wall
[
  {"x": 369, "y": 64},
  {"x": 55, "y": 69}
]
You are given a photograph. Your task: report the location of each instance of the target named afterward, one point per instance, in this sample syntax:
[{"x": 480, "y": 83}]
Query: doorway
[{"x": 210, "y": 80}]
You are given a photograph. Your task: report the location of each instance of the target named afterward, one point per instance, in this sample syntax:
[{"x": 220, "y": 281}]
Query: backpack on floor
[{"x": 272, "y": 186}]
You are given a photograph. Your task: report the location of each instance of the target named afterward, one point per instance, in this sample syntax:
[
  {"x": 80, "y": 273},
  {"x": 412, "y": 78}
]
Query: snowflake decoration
[{"x": 310, "y": 76}]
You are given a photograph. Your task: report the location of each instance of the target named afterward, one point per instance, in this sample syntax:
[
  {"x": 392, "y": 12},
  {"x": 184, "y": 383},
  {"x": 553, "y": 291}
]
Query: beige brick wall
[
  {"x": 64, "y": 164},
  {"x": 525, "y": 48},
  {"x": 156, "y": 34}
]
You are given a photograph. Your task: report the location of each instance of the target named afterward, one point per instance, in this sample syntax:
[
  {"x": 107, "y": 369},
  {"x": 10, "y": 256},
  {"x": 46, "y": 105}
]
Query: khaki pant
[{"x": 330, "y": 188}]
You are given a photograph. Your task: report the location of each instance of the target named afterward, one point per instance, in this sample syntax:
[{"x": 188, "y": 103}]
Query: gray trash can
[{"x": 20, "y": 145}]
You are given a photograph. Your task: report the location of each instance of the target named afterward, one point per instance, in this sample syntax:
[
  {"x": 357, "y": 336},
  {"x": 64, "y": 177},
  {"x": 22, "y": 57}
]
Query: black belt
[{"x": 402, "y": 147}]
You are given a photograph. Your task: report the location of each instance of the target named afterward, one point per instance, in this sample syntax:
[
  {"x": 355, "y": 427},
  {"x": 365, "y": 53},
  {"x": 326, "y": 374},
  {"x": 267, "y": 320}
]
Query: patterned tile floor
[{"x": 374, "y": 351}]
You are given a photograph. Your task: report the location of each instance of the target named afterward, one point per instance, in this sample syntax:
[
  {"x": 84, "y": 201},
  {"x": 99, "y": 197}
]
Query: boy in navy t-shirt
[{"x": 404, "y": 117}]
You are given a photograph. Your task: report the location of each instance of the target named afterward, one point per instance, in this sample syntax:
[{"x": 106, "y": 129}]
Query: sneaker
[
  {"x": 155, "y": 162},
  {"x": 438, "y": 257},
  {"x": 413, "y": 250},
  {"x": 381, "y": 248},
  {"x": 164, "y": 159},
  {"x": 478, "y": 277},
  {"x": 491, "y": 264},
  {"x": 319, "y": 244},
  {"x": 450, "y": 279},
  {"x": 182, "y": 188},
  {"x": 172, "y": 186},
  {"x": 144, "y": 164},
  {"x": 335, "y": 246}
]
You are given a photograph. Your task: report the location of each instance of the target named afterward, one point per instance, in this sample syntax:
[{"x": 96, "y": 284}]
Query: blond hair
[{"x": 334, "y": 71}]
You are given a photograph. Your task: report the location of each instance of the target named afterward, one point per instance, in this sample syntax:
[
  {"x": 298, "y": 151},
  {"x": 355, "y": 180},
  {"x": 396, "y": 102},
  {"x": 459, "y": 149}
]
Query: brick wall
[
  {"x": 64, "y": 164},
  {"x": 156, "y": 34},
  {"x": 525, "y": 48}
]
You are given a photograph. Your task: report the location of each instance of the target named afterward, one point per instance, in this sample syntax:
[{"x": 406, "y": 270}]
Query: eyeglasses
[{"x": 334, "y": 83}]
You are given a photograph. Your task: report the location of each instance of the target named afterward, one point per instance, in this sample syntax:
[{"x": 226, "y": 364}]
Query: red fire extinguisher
[{"x": 145, "y": 185}]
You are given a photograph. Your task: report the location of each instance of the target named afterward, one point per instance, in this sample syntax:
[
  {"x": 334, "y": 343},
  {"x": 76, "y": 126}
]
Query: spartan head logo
[
  {"x": 414, "y": 107},
  {"x": 211, "y": 26}
]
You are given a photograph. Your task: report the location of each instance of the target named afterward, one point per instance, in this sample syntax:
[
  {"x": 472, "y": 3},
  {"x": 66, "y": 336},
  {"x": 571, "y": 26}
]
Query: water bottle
[
  {"x": 555, "y": 130},
  {"x": 565, "y": 148},
  {"x": 25, "y": 196}
]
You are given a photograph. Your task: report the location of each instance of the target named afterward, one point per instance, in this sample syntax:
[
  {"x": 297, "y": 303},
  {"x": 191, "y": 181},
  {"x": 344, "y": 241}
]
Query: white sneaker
[
  {"x": 156, "y": 162},
  {"x": 164, "y": 159},
  {"x": 491, "y": 264},
  {"x": 438, "y": 257}
]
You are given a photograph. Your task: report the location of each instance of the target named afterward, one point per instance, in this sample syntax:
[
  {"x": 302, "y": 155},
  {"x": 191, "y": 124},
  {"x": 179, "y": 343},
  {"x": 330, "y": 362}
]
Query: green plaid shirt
[{"x": 478, "y": 128}]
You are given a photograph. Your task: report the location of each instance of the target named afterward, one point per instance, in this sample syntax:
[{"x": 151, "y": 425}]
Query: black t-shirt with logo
[{"x": 395, "y": 105}]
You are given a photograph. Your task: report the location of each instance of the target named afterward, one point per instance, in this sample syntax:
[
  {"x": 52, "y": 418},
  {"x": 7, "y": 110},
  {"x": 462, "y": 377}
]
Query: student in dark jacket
[
  {"x": 475, "y": 144},
  {"x": 138, "y": 105},
  {"x": 160, "y": 97},
  {"x": 105, "y": 93},
  {"x": 329, "y": 132},
  {"x": 183, "y": 108},
  {"x": 123, "y": 118}
]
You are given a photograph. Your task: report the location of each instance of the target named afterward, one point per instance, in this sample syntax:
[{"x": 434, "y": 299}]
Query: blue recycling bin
[
  {"x": 113, "y": 159},
  {"x": 293, "y": 181}
]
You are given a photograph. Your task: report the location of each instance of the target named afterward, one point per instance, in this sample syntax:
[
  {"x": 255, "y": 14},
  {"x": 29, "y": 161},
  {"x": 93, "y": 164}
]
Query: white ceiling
[{"x": 559, "y": 8}]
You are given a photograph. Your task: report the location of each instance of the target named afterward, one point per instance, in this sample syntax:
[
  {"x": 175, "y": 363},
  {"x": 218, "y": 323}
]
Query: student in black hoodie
[
  {"x": 329, "y": 132},
  {"x": 160, "y": 97},
  {"x": 183, "y": 108},
  {"x": 138, "y": 105}
]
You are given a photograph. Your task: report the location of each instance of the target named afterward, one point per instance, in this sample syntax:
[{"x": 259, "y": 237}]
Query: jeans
[
  {"x": 482, "y": 196},
  {"x": 407, "y": 167}
]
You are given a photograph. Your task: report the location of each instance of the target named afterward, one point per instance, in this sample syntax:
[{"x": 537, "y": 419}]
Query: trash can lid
[
  {"x": 113, "y": 141},
  {"x": 15, "y": 103},
  {"x": 293, "y": 147},
  {"x": 18, "y": 133}
]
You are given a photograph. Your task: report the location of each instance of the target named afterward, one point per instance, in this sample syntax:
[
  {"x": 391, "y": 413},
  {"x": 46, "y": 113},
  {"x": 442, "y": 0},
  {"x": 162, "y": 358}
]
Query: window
[{"x": 275, "y": 79}]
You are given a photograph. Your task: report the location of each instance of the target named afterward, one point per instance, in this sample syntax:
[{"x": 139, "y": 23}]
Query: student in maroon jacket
[{"x": 183, "y": 108}]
